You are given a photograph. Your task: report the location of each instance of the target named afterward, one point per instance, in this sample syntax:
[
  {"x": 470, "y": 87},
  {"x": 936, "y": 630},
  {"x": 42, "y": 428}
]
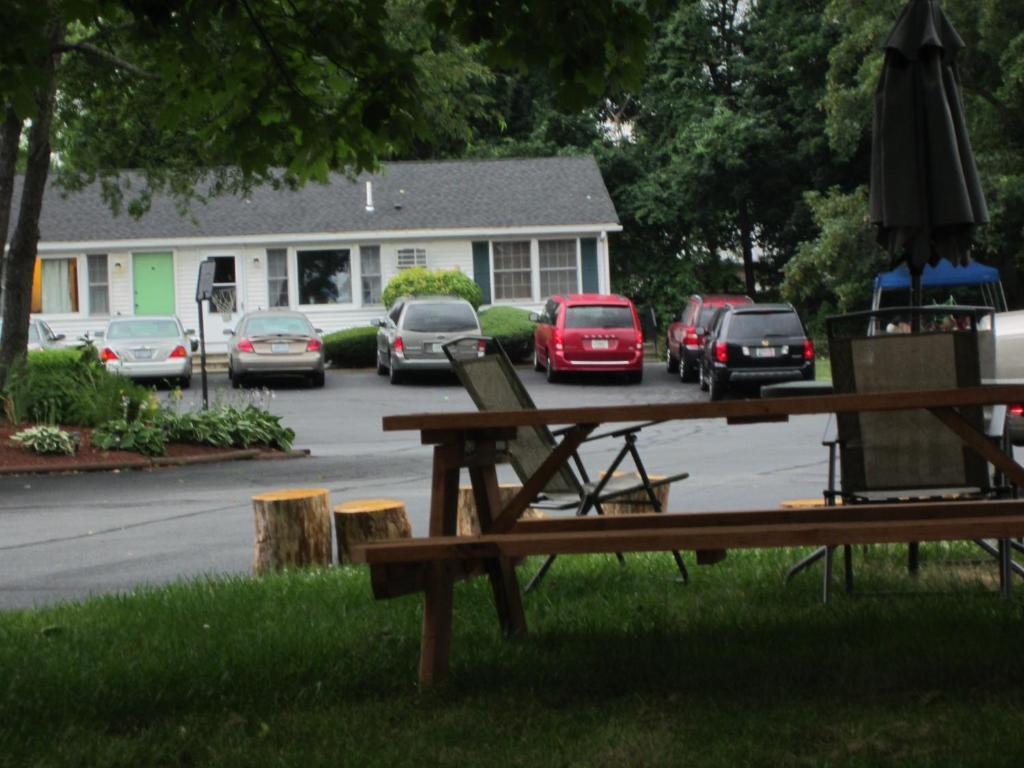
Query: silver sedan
[{"x": 149, "y": 348}]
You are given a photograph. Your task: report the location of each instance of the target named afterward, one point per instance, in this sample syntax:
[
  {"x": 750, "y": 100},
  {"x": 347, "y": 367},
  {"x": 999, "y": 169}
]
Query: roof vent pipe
[{"x": 369, "y": 197}]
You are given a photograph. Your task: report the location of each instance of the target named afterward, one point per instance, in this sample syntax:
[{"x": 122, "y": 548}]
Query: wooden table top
[{"x": 774, "y": 409}]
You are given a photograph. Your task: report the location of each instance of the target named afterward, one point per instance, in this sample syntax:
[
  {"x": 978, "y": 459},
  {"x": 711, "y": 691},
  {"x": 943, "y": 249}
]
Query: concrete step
[{"x": 215, "y": 362}]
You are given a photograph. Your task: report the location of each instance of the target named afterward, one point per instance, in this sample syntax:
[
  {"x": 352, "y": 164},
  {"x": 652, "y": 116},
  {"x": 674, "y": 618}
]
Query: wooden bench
[{"x": 473, "y": 441}]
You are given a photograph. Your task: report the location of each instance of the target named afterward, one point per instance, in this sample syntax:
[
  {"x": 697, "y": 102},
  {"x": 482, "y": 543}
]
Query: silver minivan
[{"x": 411, "y": 334}]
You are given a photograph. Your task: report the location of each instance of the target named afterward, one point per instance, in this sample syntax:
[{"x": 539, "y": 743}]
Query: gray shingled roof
[{"x": 462, "y": 194}]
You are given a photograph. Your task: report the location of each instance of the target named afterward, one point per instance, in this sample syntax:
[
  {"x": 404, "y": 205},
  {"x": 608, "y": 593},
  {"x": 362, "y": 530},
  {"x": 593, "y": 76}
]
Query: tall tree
[{"x": 239, "y": 92}]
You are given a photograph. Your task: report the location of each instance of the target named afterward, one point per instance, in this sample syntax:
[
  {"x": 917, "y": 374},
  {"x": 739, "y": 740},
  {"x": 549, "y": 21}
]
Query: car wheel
[
  {"x": 551, "y": 373},
  {"x": 319, "y": 379},
  {"x": 671, "y": 363},
  {"x": 688, "y": 373},
  {"x": 716, "y": 389},
  {"x": 236, "y": 379},
  {"x": 536, "y": 360},
  {"x": 393, "y": 375},
  {"x": 381, "y": 368},
  {"x": 185, "y": 382},
  {"x": 703, "y": 379},
  {"x": 635, "y": 377}
]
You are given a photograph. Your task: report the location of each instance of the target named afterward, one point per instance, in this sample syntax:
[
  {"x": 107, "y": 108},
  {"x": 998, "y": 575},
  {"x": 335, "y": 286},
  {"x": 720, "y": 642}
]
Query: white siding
[{"x": 251, "y": 274}]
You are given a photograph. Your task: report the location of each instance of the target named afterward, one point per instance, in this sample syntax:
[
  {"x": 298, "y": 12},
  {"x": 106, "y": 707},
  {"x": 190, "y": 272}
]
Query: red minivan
[{"x": 594, "y": 332}]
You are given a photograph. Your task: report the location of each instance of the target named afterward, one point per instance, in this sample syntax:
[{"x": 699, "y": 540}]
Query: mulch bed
[{"x": 16, "y": 459}]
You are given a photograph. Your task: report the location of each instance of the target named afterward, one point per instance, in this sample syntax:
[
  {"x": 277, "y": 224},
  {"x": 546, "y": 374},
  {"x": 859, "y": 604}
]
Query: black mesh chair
[
  {"x": 493, "y": 384},
  {"x": 903, "y": 456}
]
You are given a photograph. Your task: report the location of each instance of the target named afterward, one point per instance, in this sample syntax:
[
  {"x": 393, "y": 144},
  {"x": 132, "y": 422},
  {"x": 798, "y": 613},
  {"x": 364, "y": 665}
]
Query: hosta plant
[{"x": 47, "y": 439}]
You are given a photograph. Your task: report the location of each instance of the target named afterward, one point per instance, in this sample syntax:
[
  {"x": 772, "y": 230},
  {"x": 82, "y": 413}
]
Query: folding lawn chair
[
  {"x": 906, "y": 456},
  {"x": 493, "y": 384}
]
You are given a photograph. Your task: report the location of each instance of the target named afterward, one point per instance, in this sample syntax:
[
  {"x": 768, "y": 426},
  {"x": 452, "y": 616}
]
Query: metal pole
[{"x": 202, "y": 357}]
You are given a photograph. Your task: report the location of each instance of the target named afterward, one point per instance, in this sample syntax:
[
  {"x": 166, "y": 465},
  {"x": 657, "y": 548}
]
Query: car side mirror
[
  {"x": 99, "y": 334},
  {"x": 228, "y": 332},
  {"x": 59, "y": 337},
  {"x": 194, "y": 343},
  {"x": 190, "y": 331},
  {"x": 380, "y": 322},
  {"x": 319, "y": 330},
  {"x": 700, "y": 330},
  {"x": 534, "y": 317}
]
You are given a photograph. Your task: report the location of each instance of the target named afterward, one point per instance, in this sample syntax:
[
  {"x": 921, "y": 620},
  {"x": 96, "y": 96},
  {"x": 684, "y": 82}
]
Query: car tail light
[
  {"x": 108, "y": 354},
  {"x": 808, "y": 349},
  {"x": 639, "y": 340},
  {"x": 690, "y": 337},
  {"x": 399, "y": 346},
  {"x": 481, "y": 348},
  {"x": 313, "y": 345},
  {"x": 558, "y": 339},
  {"x": 244, "y": 346},
  {"x": 1017, "y": 409},
  {"x": 178, "y": 351},
  {"x": 721, "y": 352}
]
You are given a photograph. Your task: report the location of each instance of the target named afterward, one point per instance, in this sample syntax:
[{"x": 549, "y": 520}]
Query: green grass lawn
[{"x": 623, "y": 667}]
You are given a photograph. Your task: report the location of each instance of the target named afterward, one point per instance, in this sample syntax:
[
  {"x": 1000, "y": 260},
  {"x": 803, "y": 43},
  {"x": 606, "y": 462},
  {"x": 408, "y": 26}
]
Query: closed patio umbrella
[{"x": 926, "y": 198}]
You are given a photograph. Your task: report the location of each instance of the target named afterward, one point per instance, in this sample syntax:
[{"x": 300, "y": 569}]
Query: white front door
[{"x": 225, "y": 309}]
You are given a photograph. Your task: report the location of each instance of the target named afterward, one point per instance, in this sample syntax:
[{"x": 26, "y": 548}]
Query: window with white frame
[
  {"x": 277, "y": 277},
  {"x": 412, "y": 257},
  {"x": 99, "y": 284},
  {"x": 225, "y": 285},
  {"x": 512, "y": 274},
  {"x": 325, "y": 277},
  {"x": 55, "y": 286},
  {"x": 369, "y": 267},
  {"x": 558, "y": 271}
]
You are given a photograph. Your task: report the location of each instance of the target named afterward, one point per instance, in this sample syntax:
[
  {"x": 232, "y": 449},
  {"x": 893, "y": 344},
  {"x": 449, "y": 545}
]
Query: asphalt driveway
[{"x": 67, "y": 536}]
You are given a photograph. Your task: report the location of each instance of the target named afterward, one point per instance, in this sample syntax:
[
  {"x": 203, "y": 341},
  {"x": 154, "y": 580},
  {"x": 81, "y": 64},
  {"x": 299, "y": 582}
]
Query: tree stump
[
  {"x": 469, "y": 524},
  {"x": 293, "y": 528},
  {"x": 638, "y": 502},
  {"x": 364, "y": 520}
]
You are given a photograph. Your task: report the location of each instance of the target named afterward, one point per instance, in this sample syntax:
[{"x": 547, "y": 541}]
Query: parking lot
[{"x": 67, "y": 536}]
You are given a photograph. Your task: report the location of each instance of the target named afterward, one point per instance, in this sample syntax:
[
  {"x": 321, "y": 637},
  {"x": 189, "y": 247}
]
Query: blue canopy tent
[{"x": 945, "y": 275}]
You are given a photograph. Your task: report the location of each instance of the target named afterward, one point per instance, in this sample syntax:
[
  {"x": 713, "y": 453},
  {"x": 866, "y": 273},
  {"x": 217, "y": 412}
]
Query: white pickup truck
[{"x": 1009, "y": 340}]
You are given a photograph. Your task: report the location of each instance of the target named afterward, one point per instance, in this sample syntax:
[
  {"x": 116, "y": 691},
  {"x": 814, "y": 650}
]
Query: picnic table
[{"x": 473, "y": 440}]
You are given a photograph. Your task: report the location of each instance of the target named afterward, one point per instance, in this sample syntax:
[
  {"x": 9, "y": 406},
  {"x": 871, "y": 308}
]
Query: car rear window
[
  {"x": 440, "y": 317},
  {"x": 269, "y": 326},
  {"x": 598, "y": 317},
  {"x": 706, "y": 315},
  {"x": 144, "y": 329},
  {"x": 766, "y": 324}
]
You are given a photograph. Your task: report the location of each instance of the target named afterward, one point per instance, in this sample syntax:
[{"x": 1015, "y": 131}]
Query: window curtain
[{"x": 56, "y": 286}]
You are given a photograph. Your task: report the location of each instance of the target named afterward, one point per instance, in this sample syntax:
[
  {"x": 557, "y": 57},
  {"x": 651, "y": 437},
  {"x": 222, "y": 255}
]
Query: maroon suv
[
  {"x": 592, "y": 332},
  {"x": 684, "y": 339}
]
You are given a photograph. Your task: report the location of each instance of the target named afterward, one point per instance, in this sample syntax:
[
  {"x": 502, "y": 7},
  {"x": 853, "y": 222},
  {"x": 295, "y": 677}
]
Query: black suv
[{"x": 757, "y": 343}]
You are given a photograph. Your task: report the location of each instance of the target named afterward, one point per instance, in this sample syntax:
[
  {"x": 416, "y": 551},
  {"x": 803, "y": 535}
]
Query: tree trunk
[
  {"x": 364, "y": 520},
  {"x": 746, "y": 244},
  {"x": 10, "y": 139},
  {"x": 638, "y": 502},
  {"x": 21, "y": 259},
  {"x": 293, "y": 528},
  {"x": 469, "y": 524}
]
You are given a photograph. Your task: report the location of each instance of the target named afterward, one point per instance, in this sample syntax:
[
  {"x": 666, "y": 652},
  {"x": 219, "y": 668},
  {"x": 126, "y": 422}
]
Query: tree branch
[{"x": 91, "y": 50}]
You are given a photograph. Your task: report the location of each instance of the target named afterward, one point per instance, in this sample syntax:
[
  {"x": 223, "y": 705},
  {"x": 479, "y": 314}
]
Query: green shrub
[
  {"x": 422, "y": 282},
  {"x": 512, "y": 327},
  {"x": 122, "y": 435},
  {"x": 227, "y": 427},
  {"x": 47, "y": 439},
  {"x": 352, "y": 348},
  {"x": 70, "y": 386}
]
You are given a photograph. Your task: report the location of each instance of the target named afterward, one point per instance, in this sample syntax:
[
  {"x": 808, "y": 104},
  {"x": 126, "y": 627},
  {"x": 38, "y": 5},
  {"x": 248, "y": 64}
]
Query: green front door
[{"x": 153, "y": 281}]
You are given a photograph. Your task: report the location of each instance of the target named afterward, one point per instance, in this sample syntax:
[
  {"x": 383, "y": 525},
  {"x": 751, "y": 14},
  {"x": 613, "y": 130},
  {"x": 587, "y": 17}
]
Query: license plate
[
  {"x": 765, "y": 352},
  {"x": 431, "y": 347},
  {"x": 599, "y": 344},
  {"x": 279, "y": 346},
  {"x": 142, "y": 354}
]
